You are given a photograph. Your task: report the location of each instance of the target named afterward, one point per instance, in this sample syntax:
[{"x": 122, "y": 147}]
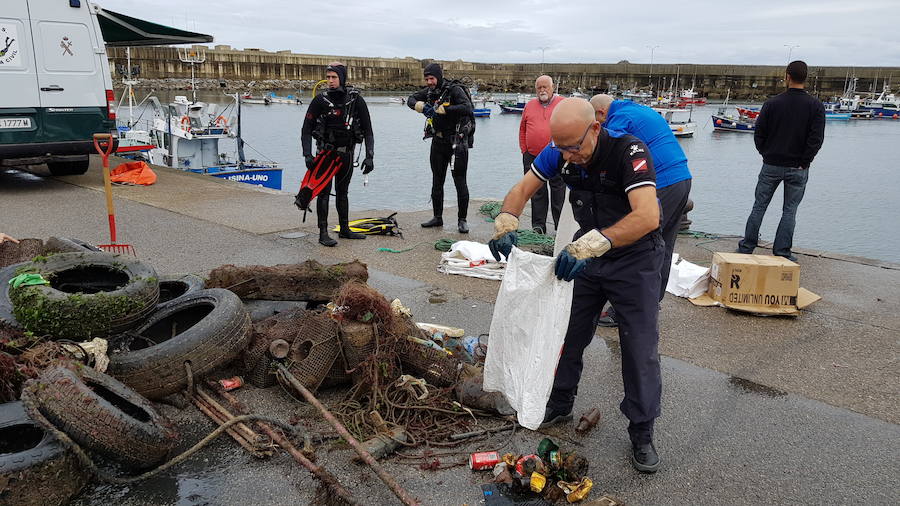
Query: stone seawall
[{"x": 284, "y": 69}]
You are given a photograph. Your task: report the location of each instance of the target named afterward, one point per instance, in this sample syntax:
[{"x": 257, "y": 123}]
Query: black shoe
[
  {"x": 608, "y": 319},
  {"x": 437, "y": 221},
  {"x": 325, "y": 239},
  {"x": 347, "y": 234},
  {"x": 540, "y": 229},
  {"x": 644, "y": 457},
  {"x": 555, "y": 417},
  {"x": 463, "y": 227},
  {"x": 792, "y": 258}
]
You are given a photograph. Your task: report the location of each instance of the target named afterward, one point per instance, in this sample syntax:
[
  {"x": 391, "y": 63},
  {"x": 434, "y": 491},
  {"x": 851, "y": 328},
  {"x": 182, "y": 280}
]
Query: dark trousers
[
  {"x": 341, "y": 184},
  {"x": 441, "y": 154},
  {"x": 770, "y": 176},
  {"x": 672, "y": 199},
  {"x": 540, "y": 201},
  {"x": 631, "y": 284}
]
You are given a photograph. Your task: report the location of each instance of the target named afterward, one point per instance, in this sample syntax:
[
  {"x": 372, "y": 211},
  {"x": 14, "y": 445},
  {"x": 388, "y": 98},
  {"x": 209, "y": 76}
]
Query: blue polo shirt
[{"x": 649, "y": 126}]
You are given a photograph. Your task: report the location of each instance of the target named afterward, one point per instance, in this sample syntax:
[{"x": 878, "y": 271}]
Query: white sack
[
  {"x": 567, "y": 228},
  {"x": 527, "y": 333}
]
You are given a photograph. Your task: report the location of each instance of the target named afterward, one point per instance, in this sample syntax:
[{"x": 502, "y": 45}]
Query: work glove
[
  {"x": 505, "y": 226},
  {"x": 573, "y": 258},
  {"x": 310, "y": 161},
  {"x": 503, "y": 245},
  {"x": 440, "y": 109},
  {"x": 28, "y": 279},
  {"x": 368, "y": 165},
  {"x": 419, "y": 107}
]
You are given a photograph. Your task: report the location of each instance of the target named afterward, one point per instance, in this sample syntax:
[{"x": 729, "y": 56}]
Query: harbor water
[{"x": 850, "y": 203}]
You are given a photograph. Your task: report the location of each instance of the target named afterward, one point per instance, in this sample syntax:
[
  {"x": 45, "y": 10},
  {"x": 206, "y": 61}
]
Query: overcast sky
[{"x": 827, "y": 32}]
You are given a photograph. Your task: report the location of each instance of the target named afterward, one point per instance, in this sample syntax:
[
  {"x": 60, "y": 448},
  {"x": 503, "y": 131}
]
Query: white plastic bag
[
  {"x": 527, "y": 333},
  {"x": 687, "y": 279}
]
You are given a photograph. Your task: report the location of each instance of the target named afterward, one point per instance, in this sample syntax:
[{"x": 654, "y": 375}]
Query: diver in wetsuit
[
  {"x": 338, "y": 119},
  {"x": 451, "y": 124}
]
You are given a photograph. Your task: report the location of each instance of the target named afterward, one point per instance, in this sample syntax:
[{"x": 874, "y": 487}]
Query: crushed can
[
  {"x": 480, "y": 461},
  {"x": 588, "y": 420},
  {"x": 538, "y": 481},
  {"x": 581, "y": 491},
  {"x": 232, "y": 383}
]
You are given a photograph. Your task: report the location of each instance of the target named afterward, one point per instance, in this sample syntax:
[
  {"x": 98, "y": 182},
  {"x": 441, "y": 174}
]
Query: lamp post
[
  {"x": 651, "y": 65},
  {"x": 790, "y": 50},
  {"x": 542, "y": 57}
]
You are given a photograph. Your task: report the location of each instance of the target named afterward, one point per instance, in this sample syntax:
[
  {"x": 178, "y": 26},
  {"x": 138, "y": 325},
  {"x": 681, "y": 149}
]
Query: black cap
[{"x": 434, "y": 69}]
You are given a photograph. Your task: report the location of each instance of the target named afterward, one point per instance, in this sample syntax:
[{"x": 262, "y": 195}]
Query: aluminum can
[
  {"x": 232, "y": 383},
  {"x": 483, "y": 460}
]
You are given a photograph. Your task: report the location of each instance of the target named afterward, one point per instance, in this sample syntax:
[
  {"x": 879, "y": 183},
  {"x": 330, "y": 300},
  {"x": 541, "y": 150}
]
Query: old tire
[
  {"x": 6, "y": 307},
  {"x": 211, "y": 328},
  {"x": 91, "y": 294},
  {"x": 101, "y": 414},
  {"x": 35, "y": 469},
  {"x": 174, "y": 286}
]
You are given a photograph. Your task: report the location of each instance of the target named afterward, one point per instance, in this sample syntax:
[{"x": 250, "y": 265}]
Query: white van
[{"x": 57, "y": 89}]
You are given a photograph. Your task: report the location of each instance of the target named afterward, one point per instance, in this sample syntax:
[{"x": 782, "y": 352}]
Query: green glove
[{"x": 28, "y": 280}]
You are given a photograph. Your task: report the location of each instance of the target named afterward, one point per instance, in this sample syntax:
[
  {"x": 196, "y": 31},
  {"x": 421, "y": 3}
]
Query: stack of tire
[{"x": 163, "y": 334}]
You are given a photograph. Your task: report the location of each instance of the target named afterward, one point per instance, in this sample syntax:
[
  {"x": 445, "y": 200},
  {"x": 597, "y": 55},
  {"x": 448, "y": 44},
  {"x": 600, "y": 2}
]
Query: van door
[
  {"x": 71, "y": 83},
  {"x": 19, "y": 100}
]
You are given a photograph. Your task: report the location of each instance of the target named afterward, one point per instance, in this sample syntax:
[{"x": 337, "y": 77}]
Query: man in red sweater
[{"x": 534, "y": 135}]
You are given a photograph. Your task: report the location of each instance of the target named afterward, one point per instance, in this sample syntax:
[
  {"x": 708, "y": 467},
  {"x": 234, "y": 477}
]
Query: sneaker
[
  {"x": 644, "y": 457},
  {"x": 555, "y": 417},
  {"x": 608, "y": 318},
  {"x": 463, "y": 227},
  {"x": 437, "y": 221}
]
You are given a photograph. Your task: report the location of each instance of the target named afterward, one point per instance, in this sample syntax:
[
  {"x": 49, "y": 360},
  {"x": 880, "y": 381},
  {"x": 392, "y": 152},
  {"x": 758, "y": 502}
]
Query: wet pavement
[{"x": 755, "y": 410}]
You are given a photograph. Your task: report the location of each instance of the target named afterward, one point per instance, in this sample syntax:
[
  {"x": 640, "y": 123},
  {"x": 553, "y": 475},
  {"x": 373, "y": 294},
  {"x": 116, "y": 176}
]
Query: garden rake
[{"x": 104, "y": 145}]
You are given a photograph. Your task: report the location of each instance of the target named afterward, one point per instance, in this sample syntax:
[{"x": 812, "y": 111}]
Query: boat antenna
[{"x": 192, "y": 56}]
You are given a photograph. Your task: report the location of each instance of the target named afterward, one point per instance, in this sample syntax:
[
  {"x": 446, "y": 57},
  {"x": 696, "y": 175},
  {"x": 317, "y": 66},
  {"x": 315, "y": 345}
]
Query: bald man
[
  {"x": 534, "y": 135},
  {"x": 673, "y": 178},
  {"x": 615, "y": 256}
]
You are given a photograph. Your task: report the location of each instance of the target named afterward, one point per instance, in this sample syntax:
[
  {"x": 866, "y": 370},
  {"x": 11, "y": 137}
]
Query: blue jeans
[{"x": 794, "y": 186}]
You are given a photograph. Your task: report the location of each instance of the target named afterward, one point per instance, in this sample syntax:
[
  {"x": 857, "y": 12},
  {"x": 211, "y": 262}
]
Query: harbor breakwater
[{"x": 160, "y": 67}]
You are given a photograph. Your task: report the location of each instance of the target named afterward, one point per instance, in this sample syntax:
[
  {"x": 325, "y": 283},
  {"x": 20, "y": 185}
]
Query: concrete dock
[{"x": 755, "y": 409}]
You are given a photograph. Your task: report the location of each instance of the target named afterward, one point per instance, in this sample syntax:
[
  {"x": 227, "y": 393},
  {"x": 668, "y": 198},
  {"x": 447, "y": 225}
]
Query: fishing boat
[
  {"x": 680, "y": 128},
  {"x": 516, "y": 106},
  {"x": 290, "y": 99},
  {"x": 750, "y": 113},
  {"x": 256, "y": 100},
  {"x": 732, "y": 124},
  {"x": 187, "y": 134},
  {"x": 689, "y": 96},
  {"x": 637, "y": 96},
  {"x": 886, "y": 105},
  {"x": 396, "y": 100},
  {"x": 832, "y": 113},
  {"x": 482, "y": 112}
]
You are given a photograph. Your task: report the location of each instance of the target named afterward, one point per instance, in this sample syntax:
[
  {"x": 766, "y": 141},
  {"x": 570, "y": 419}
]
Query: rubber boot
[
  {"x": 437, "y": 221},
  {"x": 325, "y": 239},
  {"x": 463, "y": 227},
  {"x": 346, "y": 233}
]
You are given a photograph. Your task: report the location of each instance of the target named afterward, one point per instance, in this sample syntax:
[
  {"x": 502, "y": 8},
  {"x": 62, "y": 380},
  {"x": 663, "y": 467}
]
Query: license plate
[{"x": 15, "y": 122}]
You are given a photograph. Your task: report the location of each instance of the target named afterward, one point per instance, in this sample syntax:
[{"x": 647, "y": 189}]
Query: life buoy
[
  {"x": 221, "y": 122},
  {"x": 718, "y": 122},
  {"x": 185, "y": 123},
  {"x": 895, "y": 116}
]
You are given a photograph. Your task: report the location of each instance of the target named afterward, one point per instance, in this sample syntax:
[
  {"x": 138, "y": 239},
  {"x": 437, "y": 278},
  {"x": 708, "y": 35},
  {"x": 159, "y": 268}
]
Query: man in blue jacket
[{"x": 673, "y": 179}]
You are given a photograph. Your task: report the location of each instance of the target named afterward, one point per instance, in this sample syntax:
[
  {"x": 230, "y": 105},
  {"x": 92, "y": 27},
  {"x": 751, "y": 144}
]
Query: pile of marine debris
[{"x": 88, "y": 339}]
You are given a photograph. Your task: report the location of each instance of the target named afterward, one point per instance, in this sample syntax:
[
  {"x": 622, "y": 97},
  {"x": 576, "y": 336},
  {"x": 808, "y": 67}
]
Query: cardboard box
[{"x": 756, "y": 283}]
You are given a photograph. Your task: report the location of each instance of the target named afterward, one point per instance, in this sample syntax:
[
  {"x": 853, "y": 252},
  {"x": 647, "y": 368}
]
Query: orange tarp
[{"x": 133, "y": 173}]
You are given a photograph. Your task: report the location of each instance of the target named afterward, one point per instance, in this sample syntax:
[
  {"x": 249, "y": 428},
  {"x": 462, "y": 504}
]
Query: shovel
[{"x": 103, "y": 143}]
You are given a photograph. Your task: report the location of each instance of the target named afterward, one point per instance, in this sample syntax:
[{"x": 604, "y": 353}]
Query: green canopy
[{"x": 121, "y": 30}]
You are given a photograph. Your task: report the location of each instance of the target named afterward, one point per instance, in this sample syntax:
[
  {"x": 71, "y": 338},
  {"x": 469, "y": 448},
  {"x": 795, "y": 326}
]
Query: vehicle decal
[{"x": 9, "y": 45}]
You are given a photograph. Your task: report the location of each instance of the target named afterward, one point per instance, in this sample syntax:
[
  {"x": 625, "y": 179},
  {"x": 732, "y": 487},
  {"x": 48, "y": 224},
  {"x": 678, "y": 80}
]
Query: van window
[{"x": 67, "y": 47}]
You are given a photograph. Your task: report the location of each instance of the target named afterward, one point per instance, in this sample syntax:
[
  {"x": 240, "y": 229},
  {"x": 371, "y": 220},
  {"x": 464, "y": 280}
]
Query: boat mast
[{"x": 240, "y": 140}]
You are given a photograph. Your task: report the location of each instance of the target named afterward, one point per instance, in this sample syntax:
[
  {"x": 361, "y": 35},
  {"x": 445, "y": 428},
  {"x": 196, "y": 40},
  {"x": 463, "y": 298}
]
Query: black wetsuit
[
  {"x": 446, "y": 142},
  {"x": 326, "y": 121}
]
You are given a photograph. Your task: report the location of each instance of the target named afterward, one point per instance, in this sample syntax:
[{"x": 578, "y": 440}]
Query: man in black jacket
[
  {"x": 338, "y": 119},
  {"x": 450, "y": 123},
  {"x": 789, "y": 132}
]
